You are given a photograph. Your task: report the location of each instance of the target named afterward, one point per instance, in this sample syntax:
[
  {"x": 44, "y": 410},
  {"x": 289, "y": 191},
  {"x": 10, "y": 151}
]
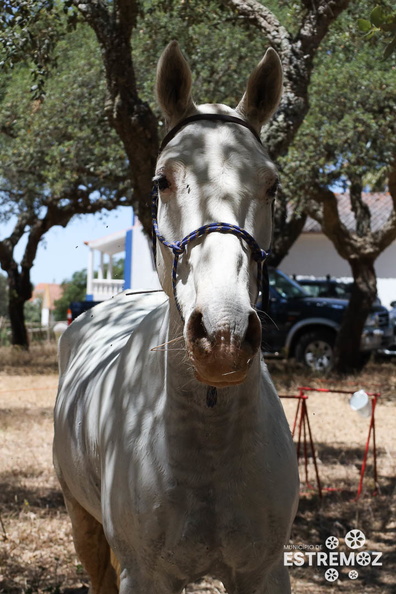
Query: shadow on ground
[{"x": 335, "y": 514}]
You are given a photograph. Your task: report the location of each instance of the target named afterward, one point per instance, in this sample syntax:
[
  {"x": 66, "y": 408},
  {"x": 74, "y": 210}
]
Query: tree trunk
[
  {"x": 348, "y": 357},
  {"x": 19, "y": 336},
  {"x": 20, "y": 290},
  {"x": 287, "y": 229}
]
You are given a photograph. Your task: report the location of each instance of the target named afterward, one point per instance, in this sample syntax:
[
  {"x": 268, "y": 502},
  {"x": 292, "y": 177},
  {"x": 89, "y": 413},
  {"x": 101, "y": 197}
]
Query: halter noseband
[{"x": 179, "y": 247}]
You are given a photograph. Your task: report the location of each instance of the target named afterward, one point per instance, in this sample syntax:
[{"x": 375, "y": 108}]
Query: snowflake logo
[
  {"x": 353, "y": 575},
  {"x": 332, "y": 542},
  {"x": 355, "y": 539},
  {"x": 331, "y": 575},
  {"x": 363, "y": 558}
]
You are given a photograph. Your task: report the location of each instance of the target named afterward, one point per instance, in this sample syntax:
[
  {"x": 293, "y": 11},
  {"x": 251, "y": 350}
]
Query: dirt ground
[{"x": 36, "y": 549}]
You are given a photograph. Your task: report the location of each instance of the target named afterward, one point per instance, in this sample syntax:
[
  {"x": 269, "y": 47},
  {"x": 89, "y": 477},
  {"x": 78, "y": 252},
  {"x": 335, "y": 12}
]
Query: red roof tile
[
  {"x": 379, "y": 203},
  {"x": 48, "y": 292}
]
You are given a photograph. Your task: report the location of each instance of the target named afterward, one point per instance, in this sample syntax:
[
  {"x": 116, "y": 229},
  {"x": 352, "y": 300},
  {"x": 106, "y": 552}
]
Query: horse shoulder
[{"x": 93, "y": 395}]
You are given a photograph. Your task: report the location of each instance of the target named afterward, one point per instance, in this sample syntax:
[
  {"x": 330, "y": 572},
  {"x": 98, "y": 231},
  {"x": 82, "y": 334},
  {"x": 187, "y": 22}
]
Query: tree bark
[
  {"x": 297, "y": 54},
  {"x": 133, "y": 120},
  {"x": 19, "y": 284},
  {"x": 288, "y": 229},
  {"x": 19, "y": 290},
  {"x": 348, "y": 356},
  {"x": 360, "y": 209}
]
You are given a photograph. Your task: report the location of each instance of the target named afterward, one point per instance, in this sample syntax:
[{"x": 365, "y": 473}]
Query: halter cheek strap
[{"x": 179, "y": 247}]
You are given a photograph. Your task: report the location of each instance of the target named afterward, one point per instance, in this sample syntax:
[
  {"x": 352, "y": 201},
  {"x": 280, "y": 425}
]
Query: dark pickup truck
[
  {"x": 298, "y": 325},
  {"x": 76, "y": 308},
  {"x": 305, "y": 327}
]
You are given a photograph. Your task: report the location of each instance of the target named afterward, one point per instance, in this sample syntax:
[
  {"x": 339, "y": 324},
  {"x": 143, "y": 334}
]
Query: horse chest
[
  {"x": 196, "y": 531},
  {"x": 199, "y": 513}
]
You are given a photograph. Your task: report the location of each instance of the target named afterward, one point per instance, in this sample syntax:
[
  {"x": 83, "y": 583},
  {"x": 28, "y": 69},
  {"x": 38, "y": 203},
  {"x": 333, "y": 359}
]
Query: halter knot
[{"x": 177, "y": 248}]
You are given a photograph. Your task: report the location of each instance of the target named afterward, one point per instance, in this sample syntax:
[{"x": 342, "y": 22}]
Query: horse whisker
[
  {"x": 269, "y": 317},
  {"x": 158, "y": 349},
  {"x": 164, "y": 344}
]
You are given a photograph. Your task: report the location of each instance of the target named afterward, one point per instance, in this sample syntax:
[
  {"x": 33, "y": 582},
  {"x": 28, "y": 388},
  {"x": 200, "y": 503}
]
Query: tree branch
[
  {"x": 297, "y": 57},
  {"x": 387, "y": 234},
  {"x": 291, "y": 222},
  {"x": 360, "y": 209},
  {"x": 132, "y": 119},
  {"x": 316, "y": 23},
  {"x": 262, "y": 18},
  {"x": 322, "y": 206},
  {"x": 8, "y": 244}
]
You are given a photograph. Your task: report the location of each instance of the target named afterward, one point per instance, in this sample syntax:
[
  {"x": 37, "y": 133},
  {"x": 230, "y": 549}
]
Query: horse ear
[
  {"x": 173, "y": 84},
  {"x": 263, "y": 91}
]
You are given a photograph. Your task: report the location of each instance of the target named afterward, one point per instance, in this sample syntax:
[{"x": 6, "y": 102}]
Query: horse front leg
[
  {"x": 92, "y": 548},
  {"x": 135, "y": 581}
]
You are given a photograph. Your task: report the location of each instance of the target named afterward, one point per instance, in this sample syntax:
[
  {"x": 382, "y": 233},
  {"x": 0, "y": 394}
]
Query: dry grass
[
  {"x": 36, "y": 550},
  {"x": 39, "y": 359}
]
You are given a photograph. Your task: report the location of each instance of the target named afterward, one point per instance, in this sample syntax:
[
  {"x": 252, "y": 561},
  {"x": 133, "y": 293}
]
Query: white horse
[{"x": 178, "y": 459}]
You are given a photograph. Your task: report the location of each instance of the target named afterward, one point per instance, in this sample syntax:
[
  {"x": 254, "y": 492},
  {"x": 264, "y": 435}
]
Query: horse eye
[
  {"x": 161, "y": 182},
  {"x": 273, "y": 189}
]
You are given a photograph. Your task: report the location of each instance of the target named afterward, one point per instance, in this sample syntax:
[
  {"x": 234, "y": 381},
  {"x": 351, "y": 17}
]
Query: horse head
[{"x": 212, "y": 168}]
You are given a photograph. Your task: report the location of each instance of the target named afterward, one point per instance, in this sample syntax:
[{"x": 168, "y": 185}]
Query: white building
[
  {"x": 313, "y": 254},
  {"x": 139, "y": 271},
  {"x": 47, "y": 294}
]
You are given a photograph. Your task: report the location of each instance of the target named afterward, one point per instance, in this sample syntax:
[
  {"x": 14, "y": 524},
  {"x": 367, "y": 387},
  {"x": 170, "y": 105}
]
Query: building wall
[
  {"x": 313, "y": 254},
  {"x": 141, "y": 273},
  {"x": 45, "y": 316}
]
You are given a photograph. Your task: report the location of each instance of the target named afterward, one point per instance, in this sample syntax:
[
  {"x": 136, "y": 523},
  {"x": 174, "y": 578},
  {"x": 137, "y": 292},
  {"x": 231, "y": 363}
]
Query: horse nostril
[
  {"x": 253, "y": 332},
  {"x": 196, "y": 328}
]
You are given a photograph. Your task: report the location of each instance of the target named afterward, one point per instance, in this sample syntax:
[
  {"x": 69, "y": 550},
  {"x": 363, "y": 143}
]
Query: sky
[{"x": 63, "y": 250}]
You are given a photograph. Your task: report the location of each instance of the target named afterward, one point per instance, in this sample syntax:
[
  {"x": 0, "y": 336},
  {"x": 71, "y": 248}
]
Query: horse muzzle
[{"x": 222, "y": 356}]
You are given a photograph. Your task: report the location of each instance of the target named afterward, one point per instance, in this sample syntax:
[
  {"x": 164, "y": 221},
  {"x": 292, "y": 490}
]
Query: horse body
[{"x": 176, "y": 488}]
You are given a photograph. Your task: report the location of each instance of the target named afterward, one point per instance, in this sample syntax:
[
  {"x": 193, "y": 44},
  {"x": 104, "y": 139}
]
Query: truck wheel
[{"x": 315, "y": 349}]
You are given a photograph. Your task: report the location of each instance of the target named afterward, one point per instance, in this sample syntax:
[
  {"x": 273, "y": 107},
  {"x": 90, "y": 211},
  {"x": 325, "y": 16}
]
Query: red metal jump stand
[
  {"x": 374, "y": 398},
  {"x": 304, "y": 439}
]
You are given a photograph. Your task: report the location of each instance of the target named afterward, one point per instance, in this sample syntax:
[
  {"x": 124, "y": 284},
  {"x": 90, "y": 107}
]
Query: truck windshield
[{"x": 285, "y": 286}]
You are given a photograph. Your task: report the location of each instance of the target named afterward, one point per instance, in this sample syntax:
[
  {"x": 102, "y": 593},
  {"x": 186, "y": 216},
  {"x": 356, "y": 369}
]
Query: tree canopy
[
  {"x": 381, "y": 25},
  {"x": 74, "y": 289},
  {"x": 58, "y": 156},
  {"x": 347, "y": 142},
  {"x": 85, "y": 136}
]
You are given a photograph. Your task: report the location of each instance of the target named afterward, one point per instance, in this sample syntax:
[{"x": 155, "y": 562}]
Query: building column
[
  {"x": 109, "y": 274},
  {"x": 101, "y": 267},
  {"x": 90, "y": 272},
  {"x": 128, "y": 278}
]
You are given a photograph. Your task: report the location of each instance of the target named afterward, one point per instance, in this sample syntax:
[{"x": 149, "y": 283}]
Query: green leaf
[
  {"x": 364, "y": 25},
  {"x": 390, "y": 48},
  {"x": 371, "y": 33},
  {"x": 377, "y": 16}
]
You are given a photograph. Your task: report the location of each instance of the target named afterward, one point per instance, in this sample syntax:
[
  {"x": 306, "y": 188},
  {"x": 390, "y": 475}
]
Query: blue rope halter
[{"x": 179, "y": 247}]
